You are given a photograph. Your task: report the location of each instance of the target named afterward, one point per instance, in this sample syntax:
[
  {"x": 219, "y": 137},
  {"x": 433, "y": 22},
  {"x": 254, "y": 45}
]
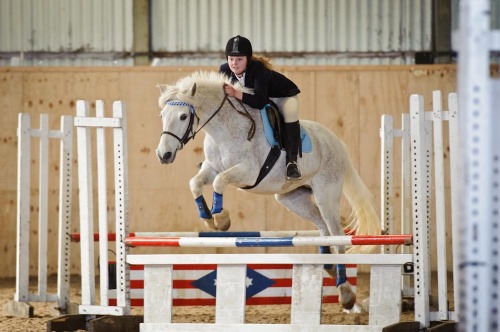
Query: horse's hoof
[
  {"x": 347, "y": 298},
  {"x": 356, "y": 309},
  {"x": 222, "y": 220},
  {"x": 209, "y": 223}
]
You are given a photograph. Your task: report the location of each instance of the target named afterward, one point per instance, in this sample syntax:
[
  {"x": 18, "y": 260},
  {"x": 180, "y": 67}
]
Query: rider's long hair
[{"x": 265, "y": 61}]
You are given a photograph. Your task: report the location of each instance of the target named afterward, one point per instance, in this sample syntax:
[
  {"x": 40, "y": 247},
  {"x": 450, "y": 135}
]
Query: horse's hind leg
[
  {"x": 327, "y": 198},
  {"x": 299, "y": 201}
]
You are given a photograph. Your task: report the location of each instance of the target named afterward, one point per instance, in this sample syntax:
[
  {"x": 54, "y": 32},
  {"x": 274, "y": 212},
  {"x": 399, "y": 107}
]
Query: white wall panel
[
  {"x": 79, "y": 26},
  {"x": 313, "y": 32},
  {"x": 194, "y": 32}
]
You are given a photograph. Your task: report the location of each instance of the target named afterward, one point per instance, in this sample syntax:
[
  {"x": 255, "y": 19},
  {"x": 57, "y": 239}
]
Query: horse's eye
[{"x": 184, "y": 117}]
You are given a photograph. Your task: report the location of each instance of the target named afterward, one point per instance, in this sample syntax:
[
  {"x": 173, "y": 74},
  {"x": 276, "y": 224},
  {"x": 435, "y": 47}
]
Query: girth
[{"x": 272, "y": 158}]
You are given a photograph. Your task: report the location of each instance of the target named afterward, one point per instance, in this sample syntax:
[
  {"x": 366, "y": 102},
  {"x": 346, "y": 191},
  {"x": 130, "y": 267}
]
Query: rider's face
[{"x": 238, "y": 64}]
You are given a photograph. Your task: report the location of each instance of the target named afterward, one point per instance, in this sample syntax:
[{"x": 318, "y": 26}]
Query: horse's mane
[{"x": 182, "y": 88}]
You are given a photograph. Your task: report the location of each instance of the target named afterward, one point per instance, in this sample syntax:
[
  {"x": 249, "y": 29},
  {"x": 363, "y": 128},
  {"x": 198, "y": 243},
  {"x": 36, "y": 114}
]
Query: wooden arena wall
[{"x": 349, "y": 100}]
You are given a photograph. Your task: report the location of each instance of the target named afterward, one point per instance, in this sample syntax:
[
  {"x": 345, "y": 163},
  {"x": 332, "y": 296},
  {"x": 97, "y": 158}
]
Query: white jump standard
[{"x": 20, "y": 305}]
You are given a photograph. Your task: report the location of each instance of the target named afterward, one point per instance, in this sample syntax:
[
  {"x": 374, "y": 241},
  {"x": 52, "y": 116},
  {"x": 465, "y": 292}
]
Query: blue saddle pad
[{"x": 268, "y": 131}]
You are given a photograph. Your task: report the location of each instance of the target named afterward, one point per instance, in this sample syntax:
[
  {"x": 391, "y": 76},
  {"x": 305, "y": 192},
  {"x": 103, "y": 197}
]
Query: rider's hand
[{"x": 232, "y": 92}]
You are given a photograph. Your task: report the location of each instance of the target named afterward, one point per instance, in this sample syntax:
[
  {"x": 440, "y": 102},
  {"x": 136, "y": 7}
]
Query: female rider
[{"x": 257, "y": 73}]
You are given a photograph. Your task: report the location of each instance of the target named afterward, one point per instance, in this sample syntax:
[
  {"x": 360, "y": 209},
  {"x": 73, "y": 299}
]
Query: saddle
[
  {"x": 274, "y": 129},
  {"x": 277, "y": 123}
]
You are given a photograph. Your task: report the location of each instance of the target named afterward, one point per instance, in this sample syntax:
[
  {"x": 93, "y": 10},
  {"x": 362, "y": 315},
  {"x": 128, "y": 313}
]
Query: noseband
[
  {"x": 191, "y": 133},
  {"x": 189, "y": 129}
]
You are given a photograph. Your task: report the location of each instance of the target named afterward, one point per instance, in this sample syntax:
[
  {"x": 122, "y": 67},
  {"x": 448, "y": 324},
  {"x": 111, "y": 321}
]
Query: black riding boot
[{"x": 292, "y": 133}]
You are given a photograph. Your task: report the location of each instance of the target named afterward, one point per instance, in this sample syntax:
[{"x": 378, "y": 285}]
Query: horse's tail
[{"x": 363, "y": 219}]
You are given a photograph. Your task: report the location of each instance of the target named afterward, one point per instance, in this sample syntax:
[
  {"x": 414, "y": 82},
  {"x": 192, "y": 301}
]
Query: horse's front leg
[
  {"x": 205, "y": 175},
  {"x": 240, "y": 174},
  {"x": 347, "y": 297}
]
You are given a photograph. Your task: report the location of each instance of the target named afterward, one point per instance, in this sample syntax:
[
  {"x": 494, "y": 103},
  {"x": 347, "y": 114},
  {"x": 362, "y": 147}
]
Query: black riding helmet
[{"x": 239, "y": 46}]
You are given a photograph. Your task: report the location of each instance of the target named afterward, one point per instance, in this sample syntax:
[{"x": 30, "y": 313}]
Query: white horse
[{"x": 234, "y": 157}]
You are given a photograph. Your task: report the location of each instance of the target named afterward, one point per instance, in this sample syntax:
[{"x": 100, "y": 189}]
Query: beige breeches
[{"x": 289, "y": 107}]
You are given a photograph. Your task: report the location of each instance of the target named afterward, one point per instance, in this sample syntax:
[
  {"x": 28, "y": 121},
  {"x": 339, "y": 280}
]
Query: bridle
[
  {"x": 191, "y": 133},
  {"x": 189, "y": 129}
]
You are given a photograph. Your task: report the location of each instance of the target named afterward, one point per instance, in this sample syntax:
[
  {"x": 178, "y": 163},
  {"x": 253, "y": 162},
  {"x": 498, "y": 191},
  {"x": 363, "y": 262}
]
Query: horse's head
[
  {"x": 187, "y": 107},
  {"x": 178, "y": 124}
]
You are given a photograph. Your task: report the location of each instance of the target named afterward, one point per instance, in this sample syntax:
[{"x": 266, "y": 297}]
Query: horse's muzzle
[{"x": 166, "y": 158}]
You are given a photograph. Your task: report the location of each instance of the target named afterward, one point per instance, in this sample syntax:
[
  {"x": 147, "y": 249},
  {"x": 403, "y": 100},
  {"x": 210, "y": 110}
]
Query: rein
[
  {"x": 246, "y": 114},
  {"x": 186, "y": 137}
]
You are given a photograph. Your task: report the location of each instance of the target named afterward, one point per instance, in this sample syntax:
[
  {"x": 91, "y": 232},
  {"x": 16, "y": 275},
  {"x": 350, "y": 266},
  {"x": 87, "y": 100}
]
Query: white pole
[
  {"x": 386, "y": 178},
  {"x": 496, "y": 198},
  {"x": 65, "y": 203},
  {"x": 86, "y": 206},
  {"x": 440, "y": 205},
  {"x": 455, "y": 194},
  {"x": 476, "y": 229},
  {"x": 103, "y": 204},
  {"x": 121, "y": 207},
  {"x": 43, "y": 194},
  {"x": 420, "y": 155},
  {"x": 23, "y": 207}
]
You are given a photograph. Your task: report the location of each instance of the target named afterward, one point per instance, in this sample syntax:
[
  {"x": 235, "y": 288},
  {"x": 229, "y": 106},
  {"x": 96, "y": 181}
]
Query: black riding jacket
[{"x": 265, "y": 82}]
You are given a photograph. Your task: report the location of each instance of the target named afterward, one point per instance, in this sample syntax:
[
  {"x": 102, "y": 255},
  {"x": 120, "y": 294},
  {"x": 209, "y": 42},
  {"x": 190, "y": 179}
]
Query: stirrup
[{"x": 293, "y": 172}]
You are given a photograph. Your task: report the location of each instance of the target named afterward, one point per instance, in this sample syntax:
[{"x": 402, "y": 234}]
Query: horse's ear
[
  {"x": 162, "y": 87},
  {"x": 193, "y": 89}
]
